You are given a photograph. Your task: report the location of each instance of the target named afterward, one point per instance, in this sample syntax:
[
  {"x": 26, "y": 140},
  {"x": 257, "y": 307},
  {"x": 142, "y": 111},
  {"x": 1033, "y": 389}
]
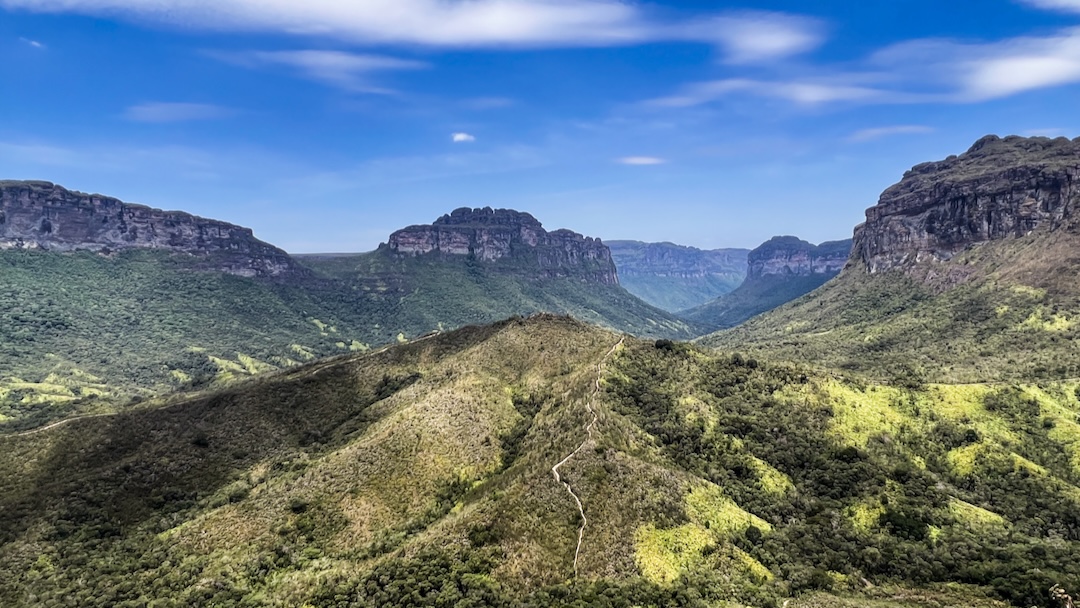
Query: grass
[{"x": 148, "y": 322}]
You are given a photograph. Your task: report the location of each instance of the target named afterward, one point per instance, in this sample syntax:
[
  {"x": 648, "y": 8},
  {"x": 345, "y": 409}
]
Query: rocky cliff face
[
  {"x": 791, "y": 256},
  {"x": 41, "y": 215},
  {"x": 998, "y": 189},
  {"x": 635, "y": 258},
  {"x": 509, "y": 238}
]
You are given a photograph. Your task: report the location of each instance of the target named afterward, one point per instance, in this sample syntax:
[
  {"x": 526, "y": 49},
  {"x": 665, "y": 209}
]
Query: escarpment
[
  {"x": 999, "y": 189},
  {"x": 504, "y": 237},
  {"x": 42, "y": 215}
]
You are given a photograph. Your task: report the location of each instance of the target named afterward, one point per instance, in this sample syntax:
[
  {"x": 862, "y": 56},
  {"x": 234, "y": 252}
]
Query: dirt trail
[{"x": 588, "y": 438}]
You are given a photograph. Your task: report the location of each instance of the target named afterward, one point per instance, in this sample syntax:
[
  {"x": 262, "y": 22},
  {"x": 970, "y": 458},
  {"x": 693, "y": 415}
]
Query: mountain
[
  {"x": 41, "y": 215},
  {"x": 964, "y": 271},
  {"x": 105, "y": 303},
  {"x": 675, "y": 277},
  {"x": 780, "y": 270},
  {"x": 545, "y": 462},
  {"x": 480, "y": 265}
]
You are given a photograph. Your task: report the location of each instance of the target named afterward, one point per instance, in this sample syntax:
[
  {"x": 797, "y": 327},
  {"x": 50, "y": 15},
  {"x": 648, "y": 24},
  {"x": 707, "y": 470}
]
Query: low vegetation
[{"x": 420, "y": 476}]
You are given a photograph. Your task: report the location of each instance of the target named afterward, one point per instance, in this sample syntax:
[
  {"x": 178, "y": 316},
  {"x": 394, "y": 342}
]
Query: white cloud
[
  {"x": 752, "y": 37},
  {"x": 800, "y": 92},
  {"x": 33, "y": 43},
  {"x": 459, "y": 138},
  {"x": 979, "y": 72},
  {"x": 350, "y": 71},
  {"x": 874, "y": 133},
  {"x": 746, "y": 37},
  {"x": 917, "y": 71},
  {"x": 641, "y": 160},
  {"x": 159, "y": 112}
]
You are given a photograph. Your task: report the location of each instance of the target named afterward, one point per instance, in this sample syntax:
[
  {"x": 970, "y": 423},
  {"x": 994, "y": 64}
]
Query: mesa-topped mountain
[
  {"x": 493, "y": 235},
  {"x": 778, "y": 271},
  {"x": 103, "y": 301},
  {"x": 42, "y": 215},
  {"x": 965, "y": 270},
  {"x": 676, "y": 277},
  {"x": 998, "y": 189}
]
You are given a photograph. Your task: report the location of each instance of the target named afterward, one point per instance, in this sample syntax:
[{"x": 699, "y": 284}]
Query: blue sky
[{"x": 326, "y": 124}]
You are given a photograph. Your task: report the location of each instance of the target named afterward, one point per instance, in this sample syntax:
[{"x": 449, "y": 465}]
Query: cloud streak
[
  {"x": 918, "y": 71},
  {"x": 875, "y": 133},
  {"x": 166, "y": 112},
  {"x": 349, "y": 71},
  {"x": 640, "y": 161},
  {"x": 745, "y": 37},
  {"x": 462, "y": 138}
]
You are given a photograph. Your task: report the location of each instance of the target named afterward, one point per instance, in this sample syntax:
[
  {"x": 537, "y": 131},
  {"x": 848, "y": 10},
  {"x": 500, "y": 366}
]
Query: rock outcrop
[
  {"x": 1000, "y": 188},
  {"x": 42, "y": 215},
  {"x": 792, "y": 256},
  {"x": 509, "y": 238}
]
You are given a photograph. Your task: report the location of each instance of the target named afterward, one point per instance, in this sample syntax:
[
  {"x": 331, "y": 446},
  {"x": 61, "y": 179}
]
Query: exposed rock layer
[
  {"x": 41, "y": 215},
  {"x": 791, "y": 256},
  {"x": 510, "y": 237},
  {"x": 1000, "y": 188}
]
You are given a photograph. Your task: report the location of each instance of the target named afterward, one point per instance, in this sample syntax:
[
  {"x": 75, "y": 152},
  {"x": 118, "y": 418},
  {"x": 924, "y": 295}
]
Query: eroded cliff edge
[{"x": 42, "y": 215}]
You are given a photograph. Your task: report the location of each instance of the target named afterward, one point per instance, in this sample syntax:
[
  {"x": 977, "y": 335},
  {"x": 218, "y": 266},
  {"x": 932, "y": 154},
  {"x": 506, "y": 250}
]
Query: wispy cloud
[
  {"x": 805, "y": 92},
  {"x": 33, "y": 43},
  {"x": 917, "y": 71},
  {"x": 874, "y": 133},
  {"x": 640, "y": 160},
  {"x": 349, "y": 71},
  {"x": 459, "y": 138},
  {"x": 746, "y": 37},
  {"x": 1072, "y": 6},
  {"x": 487, "y": 103},
  {"x": 163, "y": 112}
]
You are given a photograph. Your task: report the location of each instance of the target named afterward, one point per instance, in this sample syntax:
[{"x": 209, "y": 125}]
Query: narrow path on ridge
[{"x": 588, "y": 438}]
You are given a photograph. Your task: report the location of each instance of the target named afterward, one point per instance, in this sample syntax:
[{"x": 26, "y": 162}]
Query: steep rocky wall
[
  {"x": 507, "y": 236},
  {"x": 41, "y": 215},
  {"x": 998, "y": 189},
  {"x": 791, "y": 256}
]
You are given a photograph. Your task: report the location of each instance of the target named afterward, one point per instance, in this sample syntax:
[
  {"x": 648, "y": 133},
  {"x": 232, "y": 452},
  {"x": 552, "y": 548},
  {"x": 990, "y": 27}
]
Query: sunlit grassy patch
[
  {"x": 970, "y": 515},
  {"x": 1039, "y": 321},
  {"x": 964, "y": 403},
  {"x": 663, "y": 555},
  {"x": 859, "y": 416},
  {"x": 305, "y": 353},
  {"x": 962, "y": 460},
  {"x": 707, "y": 505},
  {"x": 772, "y": 481},
  {"x": 757, "y": 571}
]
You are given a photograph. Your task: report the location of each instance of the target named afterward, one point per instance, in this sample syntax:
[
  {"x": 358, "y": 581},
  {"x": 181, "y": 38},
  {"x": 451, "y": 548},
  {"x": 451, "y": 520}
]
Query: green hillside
[
  {"x": 752, "y": 298},
  {"x": 82, "y": 332},
  {"x": 422, "y": 476},
  {"x": 1011, "y": 317}
]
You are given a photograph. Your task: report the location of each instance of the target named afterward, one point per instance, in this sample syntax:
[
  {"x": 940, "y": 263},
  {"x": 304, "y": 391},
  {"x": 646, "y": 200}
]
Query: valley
[{"x": 477, "y": 413}]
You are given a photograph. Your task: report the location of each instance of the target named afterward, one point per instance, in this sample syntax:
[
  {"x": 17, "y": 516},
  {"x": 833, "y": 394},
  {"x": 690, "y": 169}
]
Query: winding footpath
[{"x": 588, "y": 438}]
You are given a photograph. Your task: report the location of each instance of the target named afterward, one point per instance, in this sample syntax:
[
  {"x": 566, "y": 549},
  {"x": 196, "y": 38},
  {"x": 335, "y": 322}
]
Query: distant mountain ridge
[
  {"x": 965, "y": 270},
  {"x": 103, "y": 301},
  {"x": 490, "y": 235},
  {"x": 778, "y": 271},
  {"x": 677, "y": 277},
  {"x": 43, "y": 215}
]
